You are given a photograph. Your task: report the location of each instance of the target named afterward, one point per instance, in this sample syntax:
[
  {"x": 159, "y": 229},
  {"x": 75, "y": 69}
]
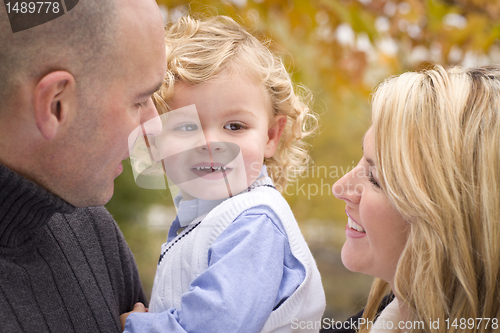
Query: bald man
[{"x": 71, "y": 92}]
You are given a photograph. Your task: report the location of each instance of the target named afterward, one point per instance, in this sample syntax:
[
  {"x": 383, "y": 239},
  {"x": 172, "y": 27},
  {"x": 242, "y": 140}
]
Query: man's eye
[
  {"x": 143, "y": 104},
  {"x": 186, "y": 127},
  {"x": 234, "y": 127}
]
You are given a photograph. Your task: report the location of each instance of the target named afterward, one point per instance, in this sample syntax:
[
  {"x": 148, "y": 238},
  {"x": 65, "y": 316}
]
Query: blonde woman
[
  {"x": 233, "y": 135},
  {"x": 423, "y": 204}
]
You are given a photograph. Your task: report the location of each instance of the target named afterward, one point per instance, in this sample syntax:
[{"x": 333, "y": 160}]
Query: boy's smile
[{"x": 214, "y": 171}]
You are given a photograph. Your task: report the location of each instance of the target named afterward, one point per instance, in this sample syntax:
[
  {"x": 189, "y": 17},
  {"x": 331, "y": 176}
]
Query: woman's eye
[
  {"x": 372, "y": 180},
  {"x": 186, "y": 127},
  {"x": 234, "y": 127}
]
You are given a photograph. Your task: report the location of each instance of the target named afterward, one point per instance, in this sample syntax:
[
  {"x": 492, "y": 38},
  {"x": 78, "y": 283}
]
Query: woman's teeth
[
  {"x": 211, "y": 168},
  {"x": 354, "y": 225}
]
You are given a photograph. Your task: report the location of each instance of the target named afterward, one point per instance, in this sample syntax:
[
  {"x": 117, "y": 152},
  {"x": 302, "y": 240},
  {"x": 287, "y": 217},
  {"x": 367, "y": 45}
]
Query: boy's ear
[
  {"x": 54, "y": 99},
  {"x": 274, "y": 135}
]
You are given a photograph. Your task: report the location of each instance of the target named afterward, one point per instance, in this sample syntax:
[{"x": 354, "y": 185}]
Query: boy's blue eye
[
  {"x": 186, "y": 127},
  {"x": 234, "y": 127}
]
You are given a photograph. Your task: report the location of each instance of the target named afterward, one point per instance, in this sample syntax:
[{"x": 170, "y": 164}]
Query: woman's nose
[{"x": 348, "y": 188}]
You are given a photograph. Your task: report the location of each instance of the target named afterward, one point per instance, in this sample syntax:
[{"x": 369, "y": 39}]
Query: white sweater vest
[{"x": 187, "y": 257}]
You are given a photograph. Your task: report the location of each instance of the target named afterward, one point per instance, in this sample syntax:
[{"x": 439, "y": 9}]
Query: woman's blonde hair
[
  {"x": 437, "y": 144},
  {"x": 200, "y": 49}
]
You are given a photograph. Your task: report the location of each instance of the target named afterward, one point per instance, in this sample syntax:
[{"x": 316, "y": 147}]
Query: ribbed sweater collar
[{"x": 24, "y": 208}]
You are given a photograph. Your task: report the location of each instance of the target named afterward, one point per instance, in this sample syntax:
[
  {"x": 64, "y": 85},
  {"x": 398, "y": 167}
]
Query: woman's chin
[{"x": 352, "y": 261}]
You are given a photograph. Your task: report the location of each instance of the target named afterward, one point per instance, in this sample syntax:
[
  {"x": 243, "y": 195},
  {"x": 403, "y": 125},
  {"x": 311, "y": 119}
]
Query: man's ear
[
  {"x": 274, "y": 135},
  {"x": 54, "y": 98}
]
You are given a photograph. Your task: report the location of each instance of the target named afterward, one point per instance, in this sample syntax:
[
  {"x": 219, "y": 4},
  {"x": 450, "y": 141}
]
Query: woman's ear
[
  {"x": 54, "y": 100},
  {"x": 274, "y": 135}
]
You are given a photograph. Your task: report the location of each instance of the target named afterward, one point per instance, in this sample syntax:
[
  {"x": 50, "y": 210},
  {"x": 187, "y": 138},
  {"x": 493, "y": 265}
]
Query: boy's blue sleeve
[{"x": 250, "y": 271}]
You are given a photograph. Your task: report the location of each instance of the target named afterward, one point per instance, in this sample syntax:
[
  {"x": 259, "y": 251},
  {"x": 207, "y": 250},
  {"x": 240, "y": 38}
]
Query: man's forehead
[{"x": 140, "y": 48}]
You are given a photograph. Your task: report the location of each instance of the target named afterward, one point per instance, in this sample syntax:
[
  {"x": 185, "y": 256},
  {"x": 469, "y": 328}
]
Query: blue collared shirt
[{"x": 251, "y": 271}]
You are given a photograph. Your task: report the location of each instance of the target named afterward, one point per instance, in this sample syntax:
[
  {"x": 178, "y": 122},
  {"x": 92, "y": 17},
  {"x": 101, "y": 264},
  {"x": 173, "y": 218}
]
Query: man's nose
[{"x": 149, "y": 111}]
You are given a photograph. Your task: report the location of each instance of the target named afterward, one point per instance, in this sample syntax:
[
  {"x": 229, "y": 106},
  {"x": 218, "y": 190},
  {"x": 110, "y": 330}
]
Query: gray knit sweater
[{"x": 62, "y": 269}]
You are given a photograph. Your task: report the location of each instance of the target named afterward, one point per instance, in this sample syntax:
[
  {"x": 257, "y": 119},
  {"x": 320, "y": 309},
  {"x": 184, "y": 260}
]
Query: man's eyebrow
[{"x": 151, "y": 91}]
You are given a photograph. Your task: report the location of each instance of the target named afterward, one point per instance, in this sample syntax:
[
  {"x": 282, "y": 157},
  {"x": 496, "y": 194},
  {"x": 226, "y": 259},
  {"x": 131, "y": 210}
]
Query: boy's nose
[
  {"x": 217, "y": 146},
  {"x": 213, "y": 147},
  {"x": 348, "y": 188}
]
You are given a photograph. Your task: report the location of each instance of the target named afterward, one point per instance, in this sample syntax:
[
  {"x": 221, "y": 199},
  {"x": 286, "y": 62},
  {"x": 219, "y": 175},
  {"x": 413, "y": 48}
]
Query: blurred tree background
[{"x": 340, "y": 50}]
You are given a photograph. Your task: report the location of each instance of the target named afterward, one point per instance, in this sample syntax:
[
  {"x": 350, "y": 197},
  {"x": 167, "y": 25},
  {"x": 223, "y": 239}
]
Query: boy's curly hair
[{"x": 200, "y": 49}]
